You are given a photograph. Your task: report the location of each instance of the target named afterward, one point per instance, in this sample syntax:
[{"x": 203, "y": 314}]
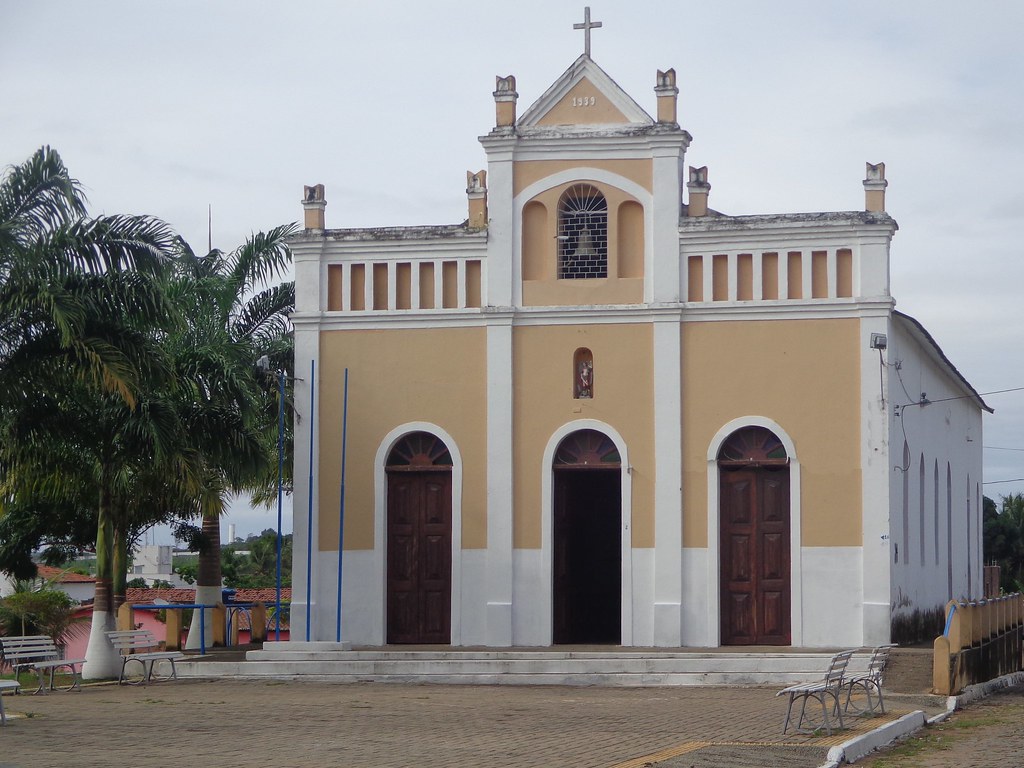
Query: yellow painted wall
[
  {"x": 543, "y": 398},
  {"x": 433, "y": 375},
  {"x": 804, "y": 375},
  {"x": 583, "y": 105}
]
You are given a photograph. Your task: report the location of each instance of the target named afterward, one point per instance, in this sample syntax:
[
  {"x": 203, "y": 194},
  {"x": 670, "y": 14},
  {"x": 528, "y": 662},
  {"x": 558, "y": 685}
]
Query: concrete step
[{"x": 316, "y": 661}]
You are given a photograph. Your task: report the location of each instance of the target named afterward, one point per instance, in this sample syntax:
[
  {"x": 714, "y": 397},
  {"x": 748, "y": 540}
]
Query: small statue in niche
[{"x": 585, "y": 380}]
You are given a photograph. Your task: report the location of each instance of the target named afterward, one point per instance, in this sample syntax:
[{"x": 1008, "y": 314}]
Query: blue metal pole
[
  {"x": 309, "y": 519},
  {"x": 280, "y": 498},
  {"x": 341, "y": 513}
]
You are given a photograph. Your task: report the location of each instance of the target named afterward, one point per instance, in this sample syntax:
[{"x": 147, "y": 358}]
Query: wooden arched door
[
  {"x": 754, "y": 539},
  {"x": 419, "y": 541},
  {"x": 587, "y": 540}
]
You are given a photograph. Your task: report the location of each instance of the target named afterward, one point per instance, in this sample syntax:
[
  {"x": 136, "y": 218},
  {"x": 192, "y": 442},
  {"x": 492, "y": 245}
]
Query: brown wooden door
[
  {"x": 419, "y": 556},
  {"x": 755, "y": 557}
]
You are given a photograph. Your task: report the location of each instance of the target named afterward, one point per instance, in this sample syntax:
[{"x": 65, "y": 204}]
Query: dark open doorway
[{"x": 587, "y": 542}]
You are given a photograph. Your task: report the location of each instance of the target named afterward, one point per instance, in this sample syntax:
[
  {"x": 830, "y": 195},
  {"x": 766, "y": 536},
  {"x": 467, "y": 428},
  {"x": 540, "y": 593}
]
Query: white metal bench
[
  {"x": 39, "y": 654},
  {"x": 140, "y": 646},
  {"x": 6, "y": 685},
  {"x": 864, "y": 691},
  {"x": 825, "y": 691}
]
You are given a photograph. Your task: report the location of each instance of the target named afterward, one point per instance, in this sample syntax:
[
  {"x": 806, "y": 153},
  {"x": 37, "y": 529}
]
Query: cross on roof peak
[{"x": 586, "y": 26}]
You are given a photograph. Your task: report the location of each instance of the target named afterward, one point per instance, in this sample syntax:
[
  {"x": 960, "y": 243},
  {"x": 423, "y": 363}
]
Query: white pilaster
[
  {"x": 668, "y": 501},
  {"x": 876, "y": 479},
  {"x": 663, "y": 263},
  {"x": 306, "y": 350},
  {"x": 503, "y": 284},
  {"x": 499, "y": 481},
  {"x": 306, "y": 260}
]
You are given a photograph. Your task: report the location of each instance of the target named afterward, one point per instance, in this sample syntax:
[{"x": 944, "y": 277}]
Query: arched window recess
[
  {"x": 419, "y": 452},
  {"x": 587, "y": 449},
  {"x": 753, "y": 447}
]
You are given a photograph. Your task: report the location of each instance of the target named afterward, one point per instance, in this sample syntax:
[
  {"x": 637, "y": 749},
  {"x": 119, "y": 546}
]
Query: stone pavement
[{"x": 226, "y": 723}]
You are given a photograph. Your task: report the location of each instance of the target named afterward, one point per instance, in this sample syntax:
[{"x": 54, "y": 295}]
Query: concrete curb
[
  {"x": 981, "y": 690},
  {"x": 861, "y": 746}
]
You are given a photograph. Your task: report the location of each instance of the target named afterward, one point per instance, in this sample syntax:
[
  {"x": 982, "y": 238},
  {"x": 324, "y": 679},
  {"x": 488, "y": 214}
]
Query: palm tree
[
  {"x": 236, "y": 315},
  {"x": 56, "y": 267},
  {"x": 81, "y": 311}
]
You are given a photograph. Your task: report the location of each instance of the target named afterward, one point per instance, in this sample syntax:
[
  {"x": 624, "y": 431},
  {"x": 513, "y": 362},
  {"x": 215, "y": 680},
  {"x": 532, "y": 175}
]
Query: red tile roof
[{"x": 61, "y": 576}]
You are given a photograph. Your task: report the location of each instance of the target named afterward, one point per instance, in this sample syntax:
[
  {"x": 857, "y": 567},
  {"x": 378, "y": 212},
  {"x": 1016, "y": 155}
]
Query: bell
[{"x": 585, "y": 244}]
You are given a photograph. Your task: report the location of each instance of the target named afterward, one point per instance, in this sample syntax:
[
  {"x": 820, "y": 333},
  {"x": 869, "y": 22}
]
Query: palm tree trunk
[
  {"x": 101, "y": 659},
  {"x": 208, "y": 580},
  {"x": 119, "y": 571}
]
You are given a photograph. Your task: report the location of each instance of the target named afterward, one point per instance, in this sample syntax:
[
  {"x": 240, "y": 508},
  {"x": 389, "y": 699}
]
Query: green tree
[
  {"x": 258, "y": 568},
  {"x": 237, "y": 314},
  {"x": 1003, "y": 537},
  {"x": 82, "y": 309},
  {"x": 41, "y": 610}
]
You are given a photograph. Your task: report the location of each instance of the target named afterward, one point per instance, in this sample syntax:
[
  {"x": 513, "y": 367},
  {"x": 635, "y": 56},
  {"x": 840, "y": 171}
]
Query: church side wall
[
  {"x": 935, "y": 488},
  {"x": 804, "y": 376}
]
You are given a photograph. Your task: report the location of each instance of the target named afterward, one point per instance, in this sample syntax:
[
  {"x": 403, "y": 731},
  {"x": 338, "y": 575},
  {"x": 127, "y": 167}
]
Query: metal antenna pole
[
  {"x": 341, "y": 513},
  {"x": 280, "y": 497},
  {"x": 309, "y": 519}
]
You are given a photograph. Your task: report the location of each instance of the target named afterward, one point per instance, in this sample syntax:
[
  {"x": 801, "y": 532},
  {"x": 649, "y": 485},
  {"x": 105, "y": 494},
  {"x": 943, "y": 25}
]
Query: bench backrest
[
  {"x": 131, "y": 640},
  {"x": 27, "y": 648},
  {"x": 879, "y": 658},
  {"x": 837, "y": 668}
]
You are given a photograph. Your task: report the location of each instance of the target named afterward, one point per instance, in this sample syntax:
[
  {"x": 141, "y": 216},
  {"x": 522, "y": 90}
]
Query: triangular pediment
[{"x": 584, "y": 95}]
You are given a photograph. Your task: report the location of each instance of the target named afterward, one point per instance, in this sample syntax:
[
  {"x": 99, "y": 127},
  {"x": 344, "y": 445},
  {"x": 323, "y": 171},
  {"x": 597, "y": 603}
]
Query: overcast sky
[{"x": 168, "y": 108}]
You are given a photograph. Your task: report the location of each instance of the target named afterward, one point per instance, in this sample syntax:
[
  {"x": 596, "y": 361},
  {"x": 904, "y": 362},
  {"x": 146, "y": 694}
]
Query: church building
[{"x": 601, "y": 411}]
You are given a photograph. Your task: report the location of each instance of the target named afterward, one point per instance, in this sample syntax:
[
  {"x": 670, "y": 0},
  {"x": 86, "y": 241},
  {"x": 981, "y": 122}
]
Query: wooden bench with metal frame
[
  {"x": 39, "y": 654},
  {"x": 825, "y": 691},
  {"x": 139, "y": 645},
  {"x": 6, "y": 685}
]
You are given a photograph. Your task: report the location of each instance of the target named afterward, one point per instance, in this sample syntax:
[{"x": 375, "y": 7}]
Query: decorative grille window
[
  {"x": 582, "y": 233},
  {"x": 587, "y": 448},
  {"x": 753, "y": 445},
  {"x": 418, "y": 450}
]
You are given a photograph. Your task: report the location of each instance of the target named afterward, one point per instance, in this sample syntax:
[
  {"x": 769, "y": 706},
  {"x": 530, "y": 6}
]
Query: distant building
[
  {"x": 592, "y": 413},
  {"x": 77, "y": 586},
  {"x": 155, "y": 562}
]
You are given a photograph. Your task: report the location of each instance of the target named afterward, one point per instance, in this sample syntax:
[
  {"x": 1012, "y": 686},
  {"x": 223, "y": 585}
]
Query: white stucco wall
[{"x": 935, "y": 525}]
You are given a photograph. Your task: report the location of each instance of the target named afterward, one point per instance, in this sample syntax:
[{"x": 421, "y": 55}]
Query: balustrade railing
[
  {"x": 413, "y": 284},
  {"x": 826, "y": 273},
  {"x": 981, "y": 641}
]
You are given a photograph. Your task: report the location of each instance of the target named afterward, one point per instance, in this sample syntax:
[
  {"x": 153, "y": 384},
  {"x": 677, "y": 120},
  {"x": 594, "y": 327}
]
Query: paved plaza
[{"x": 226, "y": 723}]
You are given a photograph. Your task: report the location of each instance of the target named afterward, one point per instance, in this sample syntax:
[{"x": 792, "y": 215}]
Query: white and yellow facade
[{"x": 697, "y": 326}]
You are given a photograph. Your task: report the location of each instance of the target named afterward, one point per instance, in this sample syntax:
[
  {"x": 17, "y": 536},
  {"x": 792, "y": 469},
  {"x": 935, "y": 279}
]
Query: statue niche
[{"x": 583, "y": 374}]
